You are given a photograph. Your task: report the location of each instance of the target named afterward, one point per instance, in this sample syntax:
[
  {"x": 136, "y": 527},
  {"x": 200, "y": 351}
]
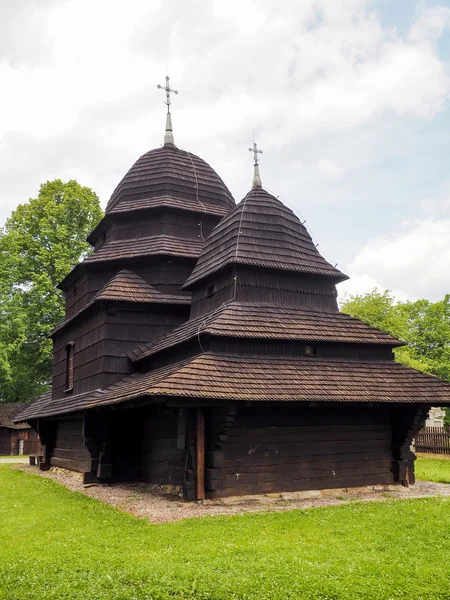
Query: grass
[
  {"x": 433, "y": 469},
  {"x": 56, "y": 544}
]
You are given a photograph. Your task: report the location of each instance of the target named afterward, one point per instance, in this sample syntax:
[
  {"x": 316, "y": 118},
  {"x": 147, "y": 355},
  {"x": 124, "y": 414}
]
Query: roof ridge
[{"x": 136, "y": 279}]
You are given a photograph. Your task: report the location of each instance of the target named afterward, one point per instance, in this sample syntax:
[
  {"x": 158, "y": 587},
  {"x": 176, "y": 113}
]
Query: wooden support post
[{"x": 200, "y": 454}]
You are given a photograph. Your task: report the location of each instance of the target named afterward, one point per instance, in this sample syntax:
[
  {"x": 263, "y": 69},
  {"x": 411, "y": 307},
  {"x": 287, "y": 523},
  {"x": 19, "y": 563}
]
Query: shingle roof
[
  {"x": 266, "y": 321},
  {"x": 7, "y": 412},
  {"x": 187, "y": 204},
  {"x": 149, "y": 246},
  {"x": 261, "y": 231},
  {"x": 261, "y": 378},
  {"x": 127, "y": 286},
  {"x": 175, "y": 172},
  {"x": 130, "y": 287}
]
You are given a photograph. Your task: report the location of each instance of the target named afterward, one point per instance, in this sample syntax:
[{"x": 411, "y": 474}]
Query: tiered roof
[
  {"x": 127, "y": 286},
  {"x": 238, "y": 378},
  {"x": 262, "y": 232},
  {"x": 148, "y": 246},
  {"x": 259, "y": 232},
  {"x": 270, "y": 322},
  {"x": 170, "y": 169}
]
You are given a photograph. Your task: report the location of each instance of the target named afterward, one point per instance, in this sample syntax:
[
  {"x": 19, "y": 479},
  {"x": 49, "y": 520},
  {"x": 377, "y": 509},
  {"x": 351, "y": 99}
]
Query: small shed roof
[{"x": 7, "y": 412}]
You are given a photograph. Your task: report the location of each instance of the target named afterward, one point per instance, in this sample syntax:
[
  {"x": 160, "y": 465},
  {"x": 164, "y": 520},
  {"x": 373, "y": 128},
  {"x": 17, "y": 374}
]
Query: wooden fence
[{"x": 434, "y": 440}]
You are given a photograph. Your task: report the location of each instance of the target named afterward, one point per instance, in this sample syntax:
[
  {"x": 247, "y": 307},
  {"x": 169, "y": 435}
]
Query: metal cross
[
  {"x": 167, "y": 89},
  {"x": 255, "y": 152}
]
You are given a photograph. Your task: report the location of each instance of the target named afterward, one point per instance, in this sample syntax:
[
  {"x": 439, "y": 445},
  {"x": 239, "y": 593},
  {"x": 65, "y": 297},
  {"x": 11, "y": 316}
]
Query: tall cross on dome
[
  {"x": 168, "y": 136},
  {"x": 256, "y": 176}
]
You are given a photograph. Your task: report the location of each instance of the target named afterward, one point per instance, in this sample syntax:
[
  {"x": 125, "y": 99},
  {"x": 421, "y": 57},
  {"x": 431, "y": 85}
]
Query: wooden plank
[
  {"x": 263, "y": 436},
  {"x": 327, "y": 464},
  {"x": 258, "y": 462},
  {"x": 200, "y": 447},
  {"x": 73, "y": 465},
  {"x": 311, "y": 475},
  {"x": 306, "y": 448},
  {"x": 300, "y": 485}
]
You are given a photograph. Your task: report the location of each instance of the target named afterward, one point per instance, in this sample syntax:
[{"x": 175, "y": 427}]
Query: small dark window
[
  {"x": 75, "y": 290},
  {"x": 70, "y": 349},
  {"x": 104, "y": 235},
  {"x": 210, "y": 290},
  {"x": 310, "y": 350}
]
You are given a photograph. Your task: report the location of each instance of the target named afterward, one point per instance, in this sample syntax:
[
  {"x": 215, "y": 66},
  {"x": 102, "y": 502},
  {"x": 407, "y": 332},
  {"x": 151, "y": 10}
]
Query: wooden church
[{"x": 203, "y": 350}]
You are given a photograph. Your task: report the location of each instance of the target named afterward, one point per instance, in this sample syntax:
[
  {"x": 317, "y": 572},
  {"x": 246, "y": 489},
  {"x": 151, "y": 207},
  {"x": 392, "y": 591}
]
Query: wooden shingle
[{"x": 262, "y": 232}]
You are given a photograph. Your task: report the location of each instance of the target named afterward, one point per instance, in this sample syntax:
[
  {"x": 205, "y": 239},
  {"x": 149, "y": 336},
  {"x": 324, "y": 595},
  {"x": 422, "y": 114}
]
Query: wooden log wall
[
  {"x": 182, "y": 224},
  {"x": 276, "y": 449},
  {"x": 255, "y": 284},
  {"x": 146, "y": 446},
  {"x": 88, "y": 335},
  {"x": 6, "y": 441},
  {"x": 127, "y": 328},
  {"x": 283, "y": 348},
  {"x": 69, "y": 451},
  {"x": 407, "y": 420}
]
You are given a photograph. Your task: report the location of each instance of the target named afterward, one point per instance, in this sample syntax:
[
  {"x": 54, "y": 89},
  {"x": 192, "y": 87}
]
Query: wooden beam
[{"x": 200, "y": 453}]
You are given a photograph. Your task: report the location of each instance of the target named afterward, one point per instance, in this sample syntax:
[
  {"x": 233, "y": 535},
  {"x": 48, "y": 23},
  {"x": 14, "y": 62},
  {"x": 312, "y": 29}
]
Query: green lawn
[
  {"x": 433, "y": 469},
  {"x": 61, "y": 545}
]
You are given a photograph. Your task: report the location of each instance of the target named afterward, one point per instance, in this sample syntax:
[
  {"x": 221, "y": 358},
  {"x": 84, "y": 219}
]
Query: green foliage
[
  {"x": 59, "y": 545},
  {"x": 423, "y": 325},
  {"x": 433, "y": 469},
  {"x": 40, "y": 244}
]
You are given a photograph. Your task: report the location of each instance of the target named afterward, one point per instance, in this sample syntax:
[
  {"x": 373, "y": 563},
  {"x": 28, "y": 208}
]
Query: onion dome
[
  {"x": 262, "y": 232},
  {"x": 169, "y": 171}
]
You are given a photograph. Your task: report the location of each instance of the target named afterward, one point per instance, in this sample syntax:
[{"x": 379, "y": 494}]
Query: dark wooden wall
[
  {"x": 255, "y": 284},
  {"x": 69, "y": 451},
  {"x": 5, "y": 440},
  {"x": 276, "y": 449},
  {"x": 128, "y": 328},
  {"x": 88, "y": 334},
  {"x": 145, "y": 446},
  {"x": 295, "y": 348},
  {"x": 182, "y": 225}
]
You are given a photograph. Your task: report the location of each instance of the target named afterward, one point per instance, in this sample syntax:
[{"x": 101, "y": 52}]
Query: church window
[
  {"x": 70, "y": 349},
  {"x": 310, "y": 350},
  {"x": 75, "y": 290},
  {"x": 210, "y": 291}
]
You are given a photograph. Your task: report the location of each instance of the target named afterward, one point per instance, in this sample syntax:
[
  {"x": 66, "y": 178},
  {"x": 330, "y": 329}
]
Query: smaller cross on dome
[
  {"x": 256, "y": 176},
  {"x": 168, "y": 90},
  {"x": 168, "y": 136}
]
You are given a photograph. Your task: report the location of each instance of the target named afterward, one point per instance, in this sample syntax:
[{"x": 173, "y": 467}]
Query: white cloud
[
  {"x": 413, "y": 263},
  {"x": 329, "y": 91},
  {"x": 329, "y": 169}
]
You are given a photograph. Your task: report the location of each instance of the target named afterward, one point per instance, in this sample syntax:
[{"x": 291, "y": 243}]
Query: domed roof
[
  {"x": 261, "y": 231},
  {"x": 169, "y": 171}
]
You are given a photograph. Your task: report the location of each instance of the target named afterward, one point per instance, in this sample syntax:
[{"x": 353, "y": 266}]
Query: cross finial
[
  {"x": 168, "y": 137},
  {"x": 256, "y": 176}
]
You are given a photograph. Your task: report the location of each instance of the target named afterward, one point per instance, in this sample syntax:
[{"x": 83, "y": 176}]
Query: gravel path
[
  {"x": 6, "y": 460},
  {"x": 141, "y": 501}
]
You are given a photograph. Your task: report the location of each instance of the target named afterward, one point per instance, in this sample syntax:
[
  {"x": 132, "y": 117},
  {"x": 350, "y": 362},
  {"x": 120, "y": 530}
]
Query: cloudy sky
[{"x": 349, "y": 100}]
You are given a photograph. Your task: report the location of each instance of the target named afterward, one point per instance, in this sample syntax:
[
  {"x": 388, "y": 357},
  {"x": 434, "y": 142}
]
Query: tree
[
  {"x": 423, "y": 325},
  {"x": 40, "y": 244}
]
